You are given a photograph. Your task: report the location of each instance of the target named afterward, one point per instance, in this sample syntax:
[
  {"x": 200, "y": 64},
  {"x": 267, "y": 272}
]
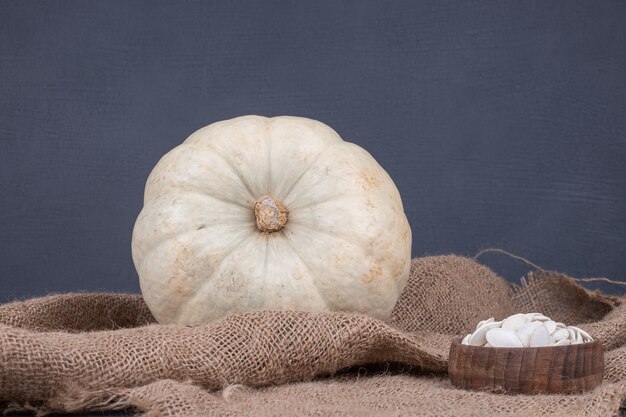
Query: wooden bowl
[{"x": 539, "y": 370}]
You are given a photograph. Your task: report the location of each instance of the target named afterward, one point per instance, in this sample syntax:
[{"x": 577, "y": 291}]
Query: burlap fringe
[
  {"x": 79, "y": 401},
  {"x": 533, "y": 279}
]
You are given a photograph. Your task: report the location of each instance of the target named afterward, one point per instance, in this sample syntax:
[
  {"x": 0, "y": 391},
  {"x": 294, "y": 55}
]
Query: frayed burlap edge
[{"x": 561, "y": 298}]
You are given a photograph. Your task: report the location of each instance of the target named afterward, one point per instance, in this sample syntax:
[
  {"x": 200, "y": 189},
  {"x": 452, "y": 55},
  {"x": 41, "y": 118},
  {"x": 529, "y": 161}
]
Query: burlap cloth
[{"x": 80, "y": 352}]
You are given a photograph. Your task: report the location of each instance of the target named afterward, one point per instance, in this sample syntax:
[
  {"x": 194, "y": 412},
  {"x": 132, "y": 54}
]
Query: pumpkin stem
[{"x": 271, "y": 214}]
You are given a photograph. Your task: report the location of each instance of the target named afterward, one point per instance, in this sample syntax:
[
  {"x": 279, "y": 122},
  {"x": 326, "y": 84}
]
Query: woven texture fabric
[{"x": 82, "y": 352}]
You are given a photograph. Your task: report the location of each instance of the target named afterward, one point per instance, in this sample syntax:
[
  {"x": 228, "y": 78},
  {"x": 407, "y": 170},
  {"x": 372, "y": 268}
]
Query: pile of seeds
[{"x": 525, "y": 330}]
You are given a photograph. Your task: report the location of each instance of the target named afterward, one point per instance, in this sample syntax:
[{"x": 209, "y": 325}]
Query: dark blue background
[{"x": 503, "y": 123}]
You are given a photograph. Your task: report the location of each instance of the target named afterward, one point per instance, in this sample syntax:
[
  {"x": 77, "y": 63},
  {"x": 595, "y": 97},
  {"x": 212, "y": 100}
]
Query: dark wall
[{"x": 503, "y": 123}]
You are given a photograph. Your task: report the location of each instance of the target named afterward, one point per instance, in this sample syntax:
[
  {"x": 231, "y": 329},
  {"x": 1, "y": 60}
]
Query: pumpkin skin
[{"x": 258, "y": 213}]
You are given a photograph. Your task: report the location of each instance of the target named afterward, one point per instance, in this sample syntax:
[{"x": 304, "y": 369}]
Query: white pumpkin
[{"x": 259, "y": 213}]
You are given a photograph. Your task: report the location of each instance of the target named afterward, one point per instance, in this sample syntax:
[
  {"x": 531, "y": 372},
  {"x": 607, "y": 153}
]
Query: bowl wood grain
[{"x": 539, "y": 370}]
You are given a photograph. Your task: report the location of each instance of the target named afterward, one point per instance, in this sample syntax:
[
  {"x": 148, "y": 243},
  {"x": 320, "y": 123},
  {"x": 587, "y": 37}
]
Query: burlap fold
[{"x": 81, "y": 352}]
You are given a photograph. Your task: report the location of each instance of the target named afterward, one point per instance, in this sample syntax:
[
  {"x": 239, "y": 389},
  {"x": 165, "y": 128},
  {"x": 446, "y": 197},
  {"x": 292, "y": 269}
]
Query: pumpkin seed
[
  {"x": 525, "y": 330},
  {"x": 503, "y": 338}
]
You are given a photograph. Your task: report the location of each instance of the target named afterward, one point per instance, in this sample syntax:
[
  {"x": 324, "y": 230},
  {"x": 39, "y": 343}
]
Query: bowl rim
[{"x": 457, "y": 341}]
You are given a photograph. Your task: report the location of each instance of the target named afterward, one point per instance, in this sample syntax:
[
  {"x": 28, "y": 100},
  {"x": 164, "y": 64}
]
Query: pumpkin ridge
[
  {"x": 181, "y": 181},
  {"x": 148, "y": 254},
  {"x": 192, "y": 229},
  {"x": 210, "y": 195},
  {"x": 308, "y": 167},
  {"x": 200, "y": 290},
  {"x": 220, "y": 153},
  {"x": 267, "y": 249},
  {"x": 295, "y": 207},
  {"x": 324, "y": 232},
  {"x": 201, "y": 192},
  {"x": 306, "y": 265},
  {"x": 177, "y": 236}
]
